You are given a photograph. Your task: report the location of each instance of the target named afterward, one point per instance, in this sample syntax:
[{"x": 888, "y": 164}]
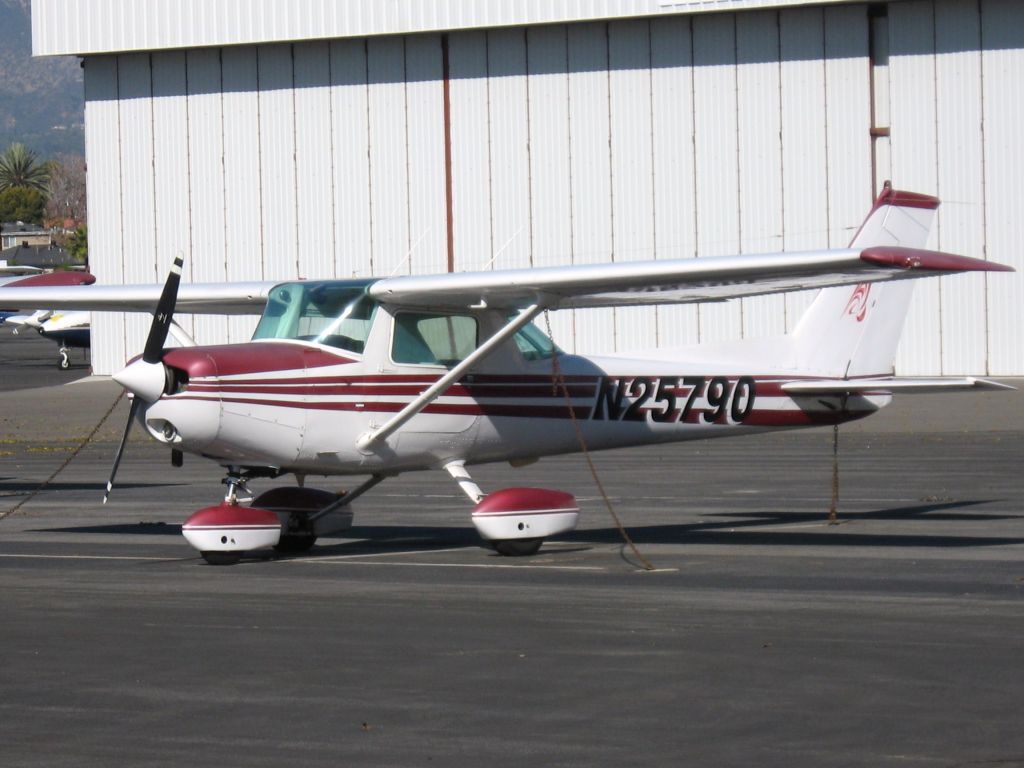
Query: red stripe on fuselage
[
  {"x": 485, "y": 390},
  {"x": 251, "y": 357},
  {"x": 757, "y": 417},
  {"x": 450, "y": 409},
  {"x": 481, "y": 387},
  {"x": 336, "y": 387}
]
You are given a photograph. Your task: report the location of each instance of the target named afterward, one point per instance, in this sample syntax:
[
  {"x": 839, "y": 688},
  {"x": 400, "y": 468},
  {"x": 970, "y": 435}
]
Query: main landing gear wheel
[
  {"x": 295, "y": 544},
  {"x": 516, "y": 521},
  {"x": 517, "y": 547},
  {"x": 298, "y": 504}
]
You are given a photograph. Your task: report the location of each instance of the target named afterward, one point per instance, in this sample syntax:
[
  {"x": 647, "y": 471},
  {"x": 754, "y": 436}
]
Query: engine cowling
[
  {"x": 525, "y": 513},
  {"x": 232, "y": 528}
]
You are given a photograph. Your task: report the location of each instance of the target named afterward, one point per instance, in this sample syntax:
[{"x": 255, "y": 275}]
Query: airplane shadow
[
  {"x": 934, "y": 511},
  {"x": 731, "y": 530},
  {"x": 406, "y": 538},
  {"x": 398, "y": 539},
  {"x": 120, "y": 529},
  {"x": 12, "y": 489}
]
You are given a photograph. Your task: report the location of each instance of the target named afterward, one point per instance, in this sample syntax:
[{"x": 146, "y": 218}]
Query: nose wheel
[
  {"x": 517, "y": 547},
  {"x": 65, "y": 359},
  {"x": 221, "y": 558}
]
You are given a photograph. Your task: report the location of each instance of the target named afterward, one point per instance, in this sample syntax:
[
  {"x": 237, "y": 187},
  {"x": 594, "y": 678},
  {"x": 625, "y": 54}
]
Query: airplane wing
[
  {"x": 672, "y": 281},
  {"x": 584, "y": 285},
  {"x": 193, "y": 298}
]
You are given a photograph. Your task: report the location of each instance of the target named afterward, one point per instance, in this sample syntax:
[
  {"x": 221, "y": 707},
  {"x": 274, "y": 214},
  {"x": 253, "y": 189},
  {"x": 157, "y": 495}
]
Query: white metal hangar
[{"x": 282, "y": 138}]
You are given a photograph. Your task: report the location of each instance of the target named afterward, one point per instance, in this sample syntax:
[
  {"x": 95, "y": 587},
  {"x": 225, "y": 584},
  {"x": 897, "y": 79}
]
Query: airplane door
[
  {"x": 424, "y": 346},
  {"x": 256, "y": 407}
]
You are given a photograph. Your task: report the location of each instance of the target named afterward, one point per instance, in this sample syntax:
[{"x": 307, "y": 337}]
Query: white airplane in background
[
  {"x": 9, "y": 272},
  {"x": 68, "y": 329},
  {"x": 376, "y": 377}
]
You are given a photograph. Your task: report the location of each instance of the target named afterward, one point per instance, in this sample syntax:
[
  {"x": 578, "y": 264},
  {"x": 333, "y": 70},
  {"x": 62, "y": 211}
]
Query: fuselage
[{"x": 300, "y": 404}]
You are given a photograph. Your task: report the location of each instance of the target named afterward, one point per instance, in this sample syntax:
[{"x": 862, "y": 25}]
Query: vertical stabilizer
[{"x": 852, "y": 331}]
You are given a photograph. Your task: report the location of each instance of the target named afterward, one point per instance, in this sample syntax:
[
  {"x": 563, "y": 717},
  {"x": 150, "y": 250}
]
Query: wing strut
[{"x": 436, "y": 389}]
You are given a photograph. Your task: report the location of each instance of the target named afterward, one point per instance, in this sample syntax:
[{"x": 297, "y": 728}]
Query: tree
[
  {"x": 78, "y": 245},
  {"x": 66, "y": 190},
  {"x": 22, "y": 204},
  {"x": 20, "y": 167}
]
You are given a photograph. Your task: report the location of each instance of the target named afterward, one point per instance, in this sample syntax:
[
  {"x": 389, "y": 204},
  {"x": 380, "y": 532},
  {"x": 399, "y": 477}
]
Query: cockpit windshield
[{"x": 337, "y": 313}]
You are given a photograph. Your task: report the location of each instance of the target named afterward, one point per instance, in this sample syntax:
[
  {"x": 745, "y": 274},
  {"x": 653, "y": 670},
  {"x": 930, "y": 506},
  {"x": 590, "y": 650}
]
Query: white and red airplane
[
  {"x": 67, "y": 329},
  {"x": 375, "y": 377}
]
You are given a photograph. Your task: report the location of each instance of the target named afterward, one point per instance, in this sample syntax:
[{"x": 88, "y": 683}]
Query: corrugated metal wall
[
  {"x": 103, "y": 26},
  {"x": 664, "y": 138}
]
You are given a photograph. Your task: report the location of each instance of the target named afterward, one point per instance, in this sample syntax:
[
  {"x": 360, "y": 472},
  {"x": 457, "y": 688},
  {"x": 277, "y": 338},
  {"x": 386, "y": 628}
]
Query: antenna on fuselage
[
  {"x": 408, "y": 254},
  {"x": 500, "y": 250}
]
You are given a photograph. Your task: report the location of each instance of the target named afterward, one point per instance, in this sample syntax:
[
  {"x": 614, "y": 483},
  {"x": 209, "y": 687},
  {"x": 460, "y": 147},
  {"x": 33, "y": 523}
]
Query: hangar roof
[{"x": 82, "y": 27}]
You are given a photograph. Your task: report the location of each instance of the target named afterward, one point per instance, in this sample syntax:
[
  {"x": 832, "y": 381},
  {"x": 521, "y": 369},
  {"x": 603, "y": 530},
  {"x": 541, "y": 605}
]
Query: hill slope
[{"x": 41, "y": 100}]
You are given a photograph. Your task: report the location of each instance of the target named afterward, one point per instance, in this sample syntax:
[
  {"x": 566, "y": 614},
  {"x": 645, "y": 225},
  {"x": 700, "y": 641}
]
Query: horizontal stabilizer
[{"x": 890, "y": 385}]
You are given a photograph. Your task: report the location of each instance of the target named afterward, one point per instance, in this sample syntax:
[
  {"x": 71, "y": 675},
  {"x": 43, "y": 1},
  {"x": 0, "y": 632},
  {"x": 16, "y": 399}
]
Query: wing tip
[{"x": 900, "y": 257}]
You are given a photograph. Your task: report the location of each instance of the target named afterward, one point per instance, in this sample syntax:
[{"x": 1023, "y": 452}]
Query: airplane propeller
[{"x": 146, "y": 377}]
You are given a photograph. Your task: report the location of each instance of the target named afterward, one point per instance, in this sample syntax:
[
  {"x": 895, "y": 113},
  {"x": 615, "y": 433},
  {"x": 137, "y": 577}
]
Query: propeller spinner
[{"x": 146, "y": 376}]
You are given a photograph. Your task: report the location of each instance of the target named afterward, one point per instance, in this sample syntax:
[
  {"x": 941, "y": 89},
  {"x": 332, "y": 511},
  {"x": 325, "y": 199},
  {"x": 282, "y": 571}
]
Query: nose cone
[{"x": 142, "y": 379}]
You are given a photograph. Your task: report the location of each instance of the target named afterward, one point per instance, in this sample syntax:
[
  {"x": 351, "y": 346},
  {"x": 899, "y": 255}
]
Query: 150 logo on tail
[{"x": 671, "y": 399}]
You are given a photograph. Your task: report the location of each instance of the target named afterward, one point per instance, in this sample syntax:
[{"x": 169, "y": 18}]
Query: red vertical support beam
[
  {"x": 447, "y": 153},
  {"x": 878, "y": 55}
]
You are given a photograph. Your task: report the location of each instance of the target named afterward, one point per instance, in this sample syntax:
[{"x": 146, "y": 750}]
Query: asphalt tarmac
[{"x": 764, "y": 637}]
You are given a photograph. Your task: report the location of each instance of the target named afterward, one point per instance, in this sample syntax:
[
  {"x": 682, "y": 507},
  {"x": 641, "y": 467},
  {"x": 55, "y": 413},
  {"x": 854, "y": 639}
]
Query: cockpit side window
[
  {"x": 432, "y": 339},
  {"x": 534, "y": 344},
  {"x": 337, "y": 314}
]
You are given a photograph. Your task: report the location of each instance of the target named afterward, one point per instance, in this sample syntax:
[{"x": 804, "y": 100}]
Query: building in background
[
  {"x": 310, "y": 138},
  {"x": 48, "y": 256},
  {"x": 18, "y": 233}
]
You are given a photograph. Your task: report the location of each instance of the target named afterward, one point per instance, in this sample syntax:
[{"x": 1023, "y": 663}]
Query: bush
[{"x": 22, "y": 204}]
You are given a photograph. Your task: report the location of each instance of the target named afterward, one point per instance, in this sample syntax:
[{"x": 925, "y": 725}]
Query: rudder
[{"x": 851, "y": 331}]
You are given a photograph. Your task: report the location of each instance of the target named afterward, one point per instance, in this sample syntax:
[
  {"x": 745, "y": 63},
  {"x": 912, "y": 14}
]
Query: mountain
[{"x": 41, "y": 100}]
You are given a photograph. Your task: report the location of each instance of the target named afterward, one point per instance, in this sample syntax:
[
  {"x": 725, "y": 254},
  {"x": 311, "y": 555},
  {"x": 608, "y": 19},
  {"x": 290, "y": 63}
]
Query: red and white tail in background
[{"x": 851, "y": 332}]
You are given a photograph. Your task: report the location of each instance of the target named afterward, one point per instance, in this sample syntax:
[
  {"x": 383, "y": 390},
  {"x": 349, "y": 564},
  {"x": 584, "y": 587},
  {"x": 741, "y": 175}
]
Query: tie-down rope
[
  {"x": 68, "y": 460},
  {"x": 558, "y": 380}
]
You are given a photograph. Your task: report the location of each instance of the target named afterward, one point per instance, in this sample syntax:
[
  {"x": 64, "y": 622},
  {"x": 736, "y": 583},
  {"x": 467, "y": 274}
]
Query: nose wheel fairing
[{"x": 230, "y": 529}]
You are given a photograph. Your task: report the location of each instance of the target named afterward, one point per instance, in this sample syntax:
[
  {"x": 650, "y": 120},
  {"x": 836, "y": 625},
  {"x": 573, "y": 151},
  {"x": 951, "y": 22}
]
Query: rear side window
[
  {"x": 428, "y": 339},
  {"x": 534, "y": 344}
]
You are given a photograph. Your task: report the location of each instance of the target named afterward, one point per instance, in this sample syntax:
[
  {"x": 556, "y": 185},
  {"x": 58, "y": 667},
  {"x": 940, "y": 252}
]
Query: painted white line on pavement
[
  {"x": 342, "y": 561},
  {"x": 313, "y": 558},
  {"x": 89, "y": 557}
]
